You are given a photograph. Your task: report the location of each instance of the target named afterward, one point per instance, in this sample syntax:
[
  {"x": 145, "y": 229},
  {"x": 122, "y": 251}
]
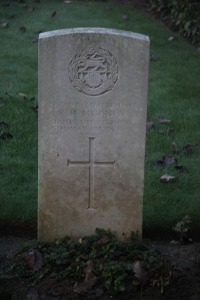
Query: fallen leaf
[
  {"x": 95, "y": 293},
  {"x": 164, "y": 121},
  {"x": 32, "y": 294},
  {"x": 150, "y": 125},
  {"x": 166, "y": 131},
  {"x": 89, "y": 271},
  {"x": 34, "y": 260},
  {"x": 175, "y": 146},
  {"x": 167, "y": 178},
  {"x": 139, "y": 273},
  {"x": 22, "y": 29},
  {"x": 103, "y": 240},
  {"x": 159, "y": 163},
  {"x": 34, "y": 108},
  {"x": 182, "y": 169},
  {"x": 4, "y": 125},
  {"x": 5, "y": 25},
  {"x": 53, "y": 14},
  {"x": 85, "y": 287},
  {"x": 80, "y": 240},
  {"x": 23, "y": 95},
  {"x": 67, "y": 2},
  {"x": 173, "y": 242},
  {"x": 90, "y": 280},
  {"x": 188, "y": 148},
  {"x": 6, "y": 136},
  {"x": 169, "y": 160},
  {"x": 166, "y": 160},
  {"x": 125, "y": 17},
  {"x": 171, "y": 38},
  {"x": 153, "y": 57}
]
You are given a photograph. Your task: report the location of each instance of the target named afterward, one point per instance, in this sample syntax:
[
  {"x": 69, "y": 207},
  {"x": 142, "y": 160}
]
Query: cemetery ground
[{"x": 172, "y": 149}]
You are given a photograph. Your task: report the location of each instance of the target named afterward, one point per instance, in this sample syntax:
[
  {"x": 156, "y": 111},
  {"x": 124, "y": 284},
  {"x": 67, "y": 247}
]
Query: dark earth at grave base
[{"x": 185, "y": 283}]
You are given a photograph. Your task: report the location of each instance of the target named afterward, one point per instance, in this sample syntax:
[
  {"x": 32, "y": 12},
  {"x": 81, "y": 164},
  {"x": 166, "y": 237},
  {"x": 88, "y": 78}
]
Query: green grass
[{"x": 174, "y": 91}]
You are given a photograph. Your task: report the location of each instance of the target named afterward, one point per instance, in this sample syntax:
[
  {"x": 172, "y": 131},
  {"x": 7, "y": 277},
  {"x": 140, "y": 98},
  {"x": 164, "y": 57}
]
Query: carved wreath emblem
[{"x": 93, "y": 71}]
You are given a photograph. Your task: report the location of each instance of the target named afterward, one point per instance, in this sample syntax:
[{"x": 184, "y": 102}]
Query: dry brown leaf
[
  {"x": 169, "y": 160},
  {"x": 89, "y": 271},
  {"x": 5, "y": 25},
  {"x": 80, "y": 240},
  {"x": 175, "y": 146},
  {"x": 140, "y": 274},
  {"x": 85, "y": 287},
  {"x": 34, "y": 260},
  {"x": 90, "y": 280},
  {"x": 32, "y": 294},
  {"x": 103, "y": 240},
  {"x": 164, "y": 121},
  {"x": 150, "y": 125},
  {"x": 166, "y": 131},
  {"x": 4, "y": 125},
  {"x": 23, "y": 95},
  {"x": 125, "y": 17},
  {"x": 188, "y": 148},
  {"x": 34, "y": 108},
  {"x": 6, "y": 136},
  {"x": 167, "y": 178},
  {"x": 182, "y": 169}
]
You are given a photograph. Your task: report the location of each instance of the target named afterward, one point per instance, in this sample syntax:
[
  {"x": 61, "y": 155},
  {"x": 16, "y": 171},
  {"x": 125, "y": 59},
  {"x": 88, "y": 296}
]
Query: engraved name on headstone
[{"x": 92, "y": 123}]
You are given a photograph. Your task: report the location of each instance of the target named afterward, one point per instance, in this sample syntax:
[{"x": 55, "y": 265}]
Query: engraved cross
[{"x": 90, "y": 164}]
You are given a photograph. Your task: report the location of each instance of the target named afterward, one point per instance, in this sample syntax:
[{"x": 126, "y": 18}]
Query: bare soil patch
[{"x": 184, "y": 284}]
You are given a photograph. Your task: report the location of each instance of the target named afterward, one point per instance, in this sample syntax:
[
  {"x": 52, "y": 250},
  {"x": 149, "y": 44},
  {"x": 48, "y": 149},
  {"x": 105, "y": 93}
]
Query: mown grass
[{"x": 174, "y": 91}]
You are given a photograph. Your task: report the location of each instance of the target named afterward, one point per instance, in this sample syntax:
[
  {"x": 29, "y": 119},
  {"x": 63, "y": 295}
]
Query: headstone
[{"x": 92, "y": 124}]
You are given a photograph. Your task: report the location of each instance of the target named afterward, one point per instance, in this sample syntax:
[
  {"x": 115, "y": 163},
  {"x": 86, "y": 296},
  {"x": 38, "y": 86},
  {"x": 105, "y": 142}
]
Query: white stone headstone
[{"x": 92, "y": 122}]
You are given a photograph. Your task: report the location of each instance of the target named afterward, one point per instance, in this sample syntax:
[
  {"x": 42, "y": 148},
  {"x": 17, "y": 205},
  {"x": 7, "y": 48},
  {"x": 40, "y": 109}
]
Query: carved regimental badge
[{"x": 93, "y": 71}]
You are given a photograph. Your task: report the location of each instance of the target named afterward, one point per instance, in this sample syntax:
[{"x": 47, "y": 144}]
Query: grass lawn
[{"x": 174, "y": 90}]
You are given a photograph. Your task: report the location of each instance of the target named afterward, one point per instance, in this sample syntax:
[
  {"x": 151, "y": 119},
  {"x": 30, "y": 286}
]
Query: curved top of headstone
[{"x": 93, "y": 30}]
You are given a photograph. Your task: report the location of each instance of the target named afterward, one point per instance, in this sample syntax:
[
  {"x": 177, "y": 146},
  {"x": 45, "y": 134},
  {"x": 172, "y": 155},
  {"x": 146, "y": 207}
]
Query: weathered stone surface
[{"x": 92, "y": 124}]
